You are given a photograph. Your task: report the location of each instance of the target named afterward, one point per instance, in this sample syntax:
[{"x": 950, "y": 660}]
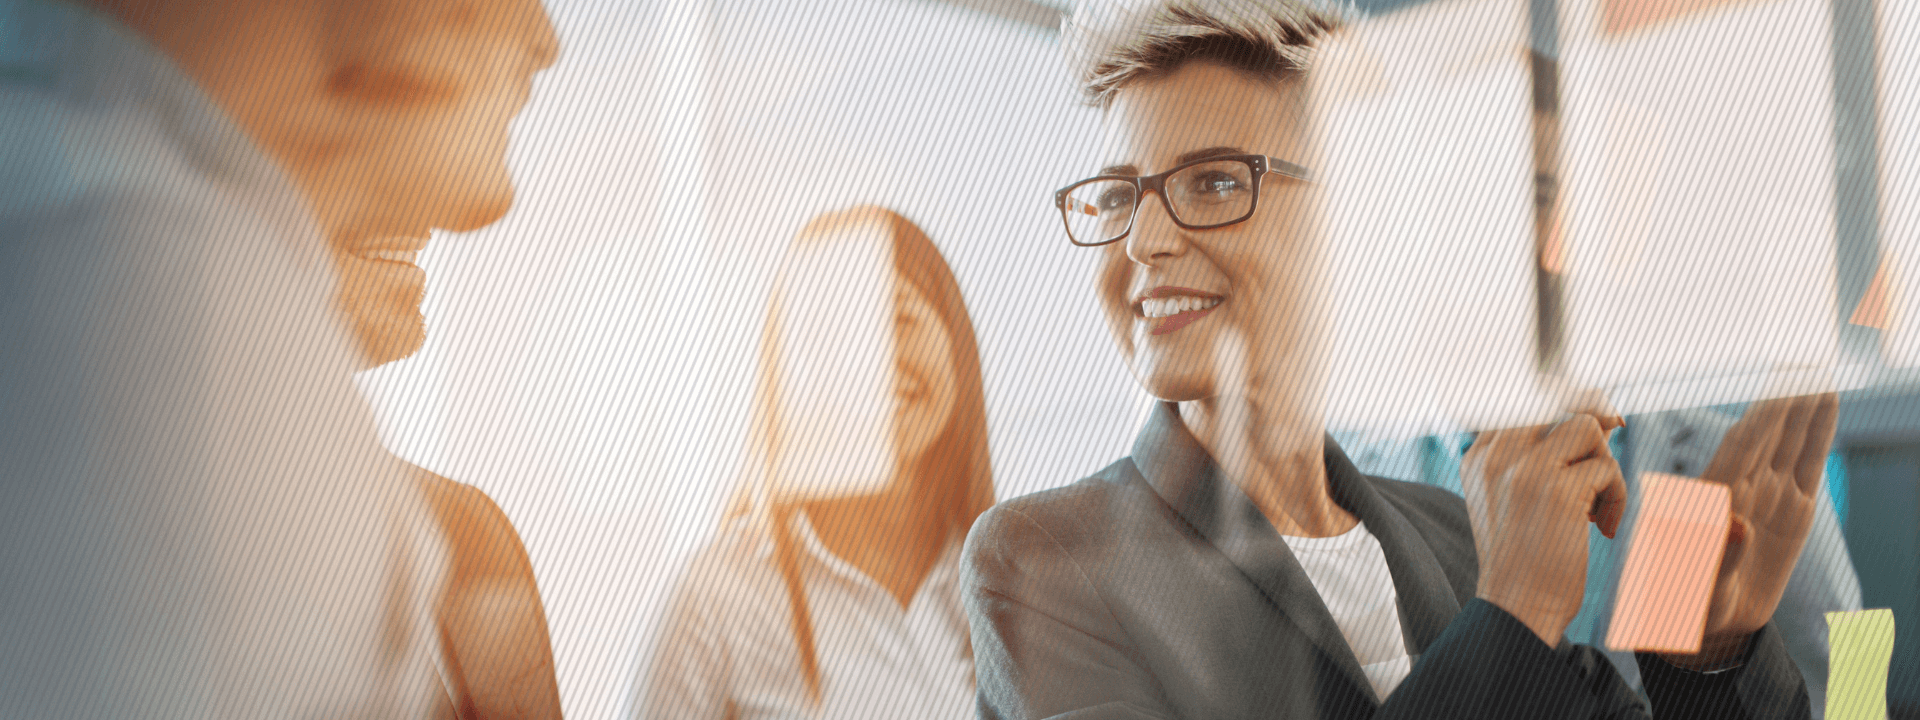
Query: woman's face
[
  {"x": 924, "y": 387},
  {"x": 1174, "y": 297}
]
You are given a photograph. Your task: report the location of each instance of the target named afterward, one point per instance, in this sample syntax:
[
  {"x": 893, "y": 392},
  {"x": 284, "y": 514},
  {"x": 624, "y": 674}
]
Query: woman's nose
[{"x": 1155, "y": 235}]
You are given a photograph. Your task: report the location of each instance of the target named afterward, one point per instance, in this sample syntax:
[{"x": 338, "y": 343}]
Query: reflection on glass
[
  {"x": 1699, "y": 205},
  {"x": 832, "y": 595}
]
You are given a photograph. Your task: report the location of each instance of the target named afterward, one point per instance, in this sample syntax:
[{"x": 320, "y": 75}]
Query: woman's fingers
[
  {"x": 1609, "y": 492},
  {"x": 1494, "y": 446},
  {"x": 1749, "y": 442},
  {"x": 1575, "y": 439},
  {"x": 1737, "y": 534},
  {"x": 1819, "y": 442},
  {"x": 1573, "y": 451},
  {"x": 1793, "y": 435},
  {"x": 1594, "y": 402}
]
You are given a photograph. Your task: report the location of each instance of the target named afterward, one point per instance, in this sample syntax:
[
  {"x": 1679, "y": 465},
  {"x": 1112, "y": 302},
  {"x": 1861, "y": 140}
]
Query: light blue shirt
[{"x": 196, "y": 517}]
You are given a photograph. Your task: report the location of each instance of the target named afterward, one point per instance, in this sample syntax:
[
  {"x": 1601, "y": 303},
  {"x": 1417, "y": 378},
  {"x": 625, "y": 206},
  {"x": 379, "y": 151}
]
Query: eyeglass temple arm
[
  {"x": 1071, "y": 205},
  {"x": 1287, "y": 169}
]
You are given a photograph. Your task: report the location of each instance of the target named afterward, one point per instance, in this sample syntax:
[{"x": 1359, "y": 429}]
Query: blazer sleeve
[
  {"x": 1767, "y": 687},
  {"x": 1045, "y": 644},
  {"x": 1487, "y": 664}
]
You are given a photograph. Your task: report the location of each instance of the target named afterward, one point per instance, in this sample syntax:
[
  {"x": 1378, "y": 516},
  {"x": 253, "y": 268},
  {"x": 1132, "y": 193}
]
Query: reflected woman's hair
[{"x": 955, "y": 468}]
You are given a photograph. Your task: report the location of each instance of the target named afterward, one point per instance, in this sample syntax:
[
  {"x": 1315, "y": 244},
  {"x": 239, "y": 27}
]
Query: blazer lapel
[
  {"x": 1427, "y": 602},
  {"x": 1182, "y": 473}
]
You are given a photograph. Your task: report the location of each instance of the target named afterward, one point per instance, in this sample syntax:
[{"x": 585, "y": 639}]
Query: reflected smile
[{"x": 405, "y": 257}]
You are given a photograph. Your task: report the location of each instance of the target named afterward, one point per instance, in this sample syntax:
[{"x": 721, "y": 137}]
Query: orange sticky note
[
  {"x": 1667, "y": 583},
  {"x": 1624, "y": 16},
  {"x": 1872, "y": 310}
]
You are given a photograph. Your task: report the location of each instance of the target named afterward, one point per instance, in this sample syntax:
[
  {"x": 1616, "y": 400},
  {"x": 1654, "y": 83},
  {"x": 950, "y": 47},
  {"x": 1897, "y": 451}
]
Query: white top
[
  {"x": 197, "y": 519},
  {"x": 725, "y": 646},
  {"x": 1350, "y": 572}
]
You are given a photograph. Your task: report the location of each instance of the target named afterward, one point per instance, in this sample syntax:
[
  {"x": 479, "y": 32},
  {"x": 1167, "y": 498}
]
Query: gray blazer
[{"x": 1155, "y": 589}]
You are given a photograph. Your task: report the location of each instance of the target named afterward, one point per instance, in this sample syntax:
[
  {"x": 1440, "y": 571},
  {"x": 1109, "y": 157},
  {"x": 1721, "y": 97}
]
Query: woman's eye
[{"x": 1219, "y": 184}]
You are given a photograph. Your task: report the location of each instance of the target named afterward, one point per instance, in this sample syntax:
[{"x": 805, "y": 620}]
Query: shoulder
[
  {"x": 458, "y": 502},
  {"x": 1069, "y": 516},
  {"x": 483, "y": 539},
  {"x": 728, "y": 593},
  {"x": 1074, "y": 525},
  {"x": 733, "y": 567}
]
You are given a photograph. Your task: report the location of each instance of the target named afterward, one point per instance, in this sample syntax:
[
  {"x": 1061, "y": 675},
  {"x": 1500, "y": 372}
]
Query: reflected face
[
  {"x": 420, "y": 94},
  {"x": 925, "y": 391},
  {"x": 381, "y": 290},
  {"x": 1173, "y": 296}
]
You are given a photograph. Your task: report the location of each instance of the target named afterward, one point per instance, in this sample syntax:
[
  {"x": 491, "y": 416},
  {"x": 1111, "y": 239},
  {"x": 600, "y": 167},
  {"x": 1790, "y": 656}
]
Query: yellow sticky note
[
  {"x": 1667, "y": 584},
  {"x": 1860, "y": 649}
]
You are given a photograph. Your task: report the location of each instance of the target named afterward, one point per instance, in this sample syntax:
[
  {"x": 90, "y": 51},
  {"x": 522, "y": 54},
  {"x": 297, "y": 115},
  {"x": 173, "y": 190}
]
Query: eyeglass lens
[{"x": 1203, "y": 195}]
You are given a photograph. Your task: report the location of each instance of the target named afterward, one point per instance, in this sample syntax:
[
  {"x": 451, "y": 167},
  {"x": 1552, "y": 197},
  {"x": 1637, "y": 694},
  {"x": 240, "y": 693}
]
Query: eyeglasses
[{"x": 1200, "y": 195}]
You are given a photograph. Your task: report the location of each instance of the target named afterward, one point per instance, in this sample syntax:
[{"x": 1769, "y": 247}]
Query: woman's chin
[{"x": 1175, "y": 388}]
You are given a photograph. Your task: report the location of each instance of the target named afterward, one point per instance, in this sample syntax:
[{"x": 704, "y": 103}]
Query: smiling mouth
[{"x": 1167, "y": 310}]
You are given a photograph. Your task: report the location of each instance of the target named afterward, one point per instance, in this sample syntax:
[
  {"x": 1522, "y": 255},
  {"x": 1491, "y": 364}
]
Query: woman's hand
[
  {"x": 1771, "y": 461},
  {"x": 1530, "y": 493}
]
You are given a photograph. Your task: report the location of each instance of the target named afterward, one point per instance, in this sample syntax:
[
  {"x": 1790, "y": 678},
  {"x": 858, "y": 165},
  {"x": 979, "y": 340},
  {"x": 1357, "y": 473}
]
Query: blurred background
[{"x": 590, "y": 359}]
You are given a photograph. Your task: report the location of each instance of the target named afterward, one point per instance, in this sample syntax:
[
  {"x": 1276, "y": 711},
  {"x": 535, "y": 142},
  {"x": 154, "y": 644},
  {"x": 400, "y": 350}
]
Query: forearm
[
  {"x": 1489, "y": 664},
  {"x": 1762, "y": 685}
]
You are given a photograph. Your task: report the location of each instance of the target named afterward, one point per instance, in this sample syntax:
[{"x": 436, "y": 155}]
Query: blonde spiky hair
[{"x": 1111, "y": 43}]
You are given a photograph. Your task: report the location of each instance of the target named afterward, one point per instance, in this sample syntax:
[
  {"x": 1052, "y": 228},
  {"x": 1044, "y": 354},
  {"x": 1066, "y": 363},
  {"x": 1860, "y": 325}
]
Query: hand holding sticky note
[
  {"x": 1861, "y": 649},
  {"x": 1667, "y": 584}
]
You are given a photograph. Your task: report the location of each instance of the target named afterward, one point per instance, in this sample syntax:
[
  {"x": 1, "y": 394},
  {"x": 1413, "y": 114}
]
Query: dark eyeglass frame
[{"x": 1260, "y": 164}]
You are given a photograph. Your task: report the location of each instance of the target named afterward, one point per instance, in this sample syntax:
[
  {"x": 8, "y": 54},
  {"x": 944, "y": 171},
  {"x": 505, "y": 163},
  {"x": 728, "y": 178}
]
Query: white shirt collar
[{"x": 943, "y": 580}]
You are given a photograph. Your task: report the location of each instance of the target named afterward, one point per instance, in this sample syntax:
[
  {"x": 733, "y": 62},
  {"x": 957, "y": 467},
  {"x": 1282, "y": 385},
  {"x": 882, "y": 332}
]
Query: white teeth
[
  {"x": 1156, "y": 308},
  {"x": 399, "y": 256}
]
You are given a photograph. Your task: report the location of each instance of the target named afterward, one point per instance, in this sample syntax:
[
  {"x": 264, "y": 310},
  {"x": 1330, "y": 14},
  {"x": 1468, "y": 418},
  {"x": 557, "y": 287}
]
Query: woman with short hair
[{"x": 1237, "y": 565}]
